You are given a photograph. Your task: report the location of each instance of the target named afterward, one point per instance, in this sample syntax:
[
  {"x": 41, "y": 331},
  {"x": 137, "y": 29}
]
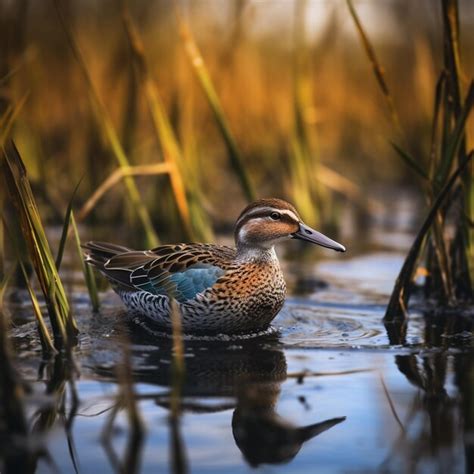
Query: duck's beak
[{"x": 306, "y": 233}]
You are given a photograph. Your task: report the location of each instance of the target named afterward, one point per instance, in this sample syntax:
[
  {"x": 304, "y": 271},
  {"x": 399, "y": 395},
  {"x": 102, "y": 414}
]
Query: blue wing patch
[{"x": 184, "y": 285}]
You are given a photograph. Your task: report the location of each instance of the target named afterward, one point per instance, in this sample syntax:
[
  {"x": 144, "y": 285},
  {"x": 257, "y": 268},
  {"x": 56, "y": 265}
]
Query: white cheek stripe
[{"x": 243, "y": 231}]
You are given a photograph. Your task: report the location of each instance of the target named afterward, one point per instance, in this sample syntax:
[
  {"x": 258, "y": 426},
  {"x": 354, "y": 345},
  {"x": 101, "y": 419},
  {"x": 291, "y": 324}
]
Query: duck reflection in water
[
  {"x": 262, "y": 435},
  {"x": 251, "y": 373}
]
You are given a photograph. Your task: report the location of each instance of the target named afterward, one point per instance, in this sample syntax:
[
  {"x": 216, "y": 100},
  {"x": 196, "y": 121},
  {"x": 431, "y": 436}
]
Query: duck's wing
[{"x": 181, "y": 271}]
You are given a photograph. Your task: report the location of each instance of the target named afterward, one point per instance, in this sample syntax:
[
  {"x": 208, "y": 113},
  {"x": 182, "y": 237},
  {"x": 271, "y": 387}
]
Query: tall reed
[
  {"x": 182, "y": 182},
  {"x": 105, "y": 123},
  {"x": 449, "y": 262},
  {"x": 199, "y": 67},
  {"x": 376, "y": 66},
  {"x": 43, "y": 331},
  {"x": 21, "y": 197},
  {"x": 303, "y": 165},
  {"x": 87, "y": 271}
]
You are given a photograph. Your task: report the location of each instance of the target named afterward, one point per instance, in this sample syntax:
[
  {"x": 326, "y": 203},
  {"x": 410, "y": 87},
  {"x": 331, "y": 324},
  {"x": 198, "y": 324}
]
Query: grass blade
[
  {"x": 437, "y": 115},
  {"x": 116, "y": 177},
  {"x": 164, "y": 131},
  {"x": 6, "y": 123},
  {"x": 9, "y": 117},
  {"x": 462, "y": 248},
  {"x": 410, "y": 161},
  {"x": 46, "y": 341},
  {"x": 377, "y": 68},
  {"x": 45, "y": 338},
  {"x": 396, "y": 309},
  {"x": 89, "y": 276},
  {"x": 65, "y": 231},
  {"x": 456, "y": 137},
  {"x": 106, "y": 124},
  {"x": 62, "y": 321},
  {"x": 452, "y": 54},
  {"x": 303, "y": 165},
  {"x": 301, "y": 179},
  {"x": 200, "y": 69},
  {"x": 344, "y": 186}
]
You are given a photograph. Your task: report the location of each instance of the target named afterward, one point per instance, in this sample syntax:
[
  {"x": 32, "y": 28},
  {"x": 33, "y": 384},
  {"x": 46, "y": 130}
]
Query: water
[{"x": 330, "y": 390}]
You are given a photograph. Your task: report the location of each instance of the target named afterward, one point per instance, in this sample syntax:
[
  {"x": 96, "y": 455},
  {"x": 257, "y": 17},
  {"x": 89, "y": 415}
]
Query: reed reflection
[
  {"x": 245, "y": 376},
  {"x": 439, "y": 426}
]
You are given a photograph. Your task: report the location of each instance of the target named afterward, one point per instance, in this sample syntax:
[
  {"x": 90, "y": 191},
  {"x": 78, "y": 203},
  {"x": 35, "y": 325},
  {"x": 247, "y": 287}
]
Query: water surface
[{"x": 331, "y": 390}]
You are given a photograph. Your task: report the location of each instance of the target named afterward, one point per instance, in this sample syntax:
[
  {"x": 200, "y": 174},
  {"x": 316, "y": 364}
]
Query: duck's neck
[{"x": 247, "y": 253}]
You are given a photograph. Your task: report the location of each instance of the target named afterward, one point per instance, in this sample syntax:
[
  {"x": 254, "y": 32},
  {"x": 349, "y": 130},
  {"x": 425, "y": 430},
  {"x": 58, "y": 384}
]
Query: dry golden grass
[{"x": 249, "y": 59}]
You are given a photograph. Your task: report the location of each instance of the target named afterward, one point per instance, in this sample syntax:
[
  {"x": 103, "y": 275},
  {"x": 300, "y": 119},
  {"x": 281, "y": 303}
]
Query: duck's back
[{"x": 168, "y": 269}]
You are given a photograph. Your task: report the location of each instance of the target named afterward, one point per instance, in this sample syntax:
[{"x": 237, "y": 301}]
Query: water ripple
[{"x": 323, "y": 327}]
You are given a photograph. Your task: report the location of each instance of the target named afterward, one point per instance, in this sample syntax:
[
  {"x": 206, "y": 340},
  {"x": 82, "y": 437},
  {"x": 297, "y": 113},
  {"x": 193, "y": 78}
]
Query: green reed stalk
[
  {"x": 172, "y": 153},
  {"x": 397, "y": 307},
  {"x": 377, "y": 68},
  {"x": 21, "y": 196},
  {"x": 442, "y": 157},
  {"x": 450, "y": 264},
  {"x": 45, "y": 339},
  {"x": 197, "y": 199},
  {"x": 107, "y": 126},
  {"x": 463, "y": 245},
  {"x": 89, "y": 276},
  {"x": 199, "y": 67},
  {"x": 65, "y": 230},
  {"x": 303, "y": 165}
]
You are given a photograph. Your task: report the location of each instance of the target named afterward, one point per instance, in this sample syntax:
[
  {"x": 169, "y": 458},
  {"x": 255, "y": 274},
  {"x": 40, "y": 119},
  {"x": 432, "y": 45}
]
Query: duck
[{"x": 217, "y": 289}]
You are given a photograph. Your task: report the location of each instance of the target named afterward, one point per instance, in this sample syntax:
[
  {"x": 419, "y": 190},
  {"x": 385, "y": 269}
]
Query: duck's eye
[{"x": 275, "y": 216}]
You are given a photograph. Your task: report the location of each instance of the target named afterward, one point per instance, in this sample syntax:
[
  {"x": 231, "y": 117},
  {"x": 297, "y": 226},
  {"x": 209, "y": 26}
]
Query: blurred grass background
[{"x": 293, "y": 81}]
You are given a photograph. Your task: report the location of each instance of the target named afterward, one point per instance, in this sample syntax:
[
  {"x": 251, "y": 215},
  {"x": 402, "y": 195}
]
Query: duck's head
[{"x": 267, "y": 222}]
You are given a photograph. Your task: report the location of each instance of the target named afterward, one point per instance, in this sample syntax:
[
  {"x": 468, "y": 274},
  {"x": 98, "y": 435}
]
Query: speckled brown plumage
[
  {"x": 246, "y": 298},
  {"x": 217, "y": 289}
]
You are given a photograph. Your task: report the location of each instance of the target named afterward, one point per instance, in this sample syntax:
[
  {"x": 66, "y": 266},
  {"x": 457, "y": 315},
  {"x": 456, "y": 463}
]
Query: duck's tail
[{"x": 98, "y": 253}]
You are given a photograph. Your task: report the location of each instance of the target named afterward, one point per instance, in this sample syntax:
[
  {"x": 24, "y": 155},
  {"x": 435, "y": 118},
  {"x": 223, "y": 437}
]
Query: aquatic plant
[
  {"x": 105, "y": 123},
  {"x": 336, "y": 109},
  {"x": 183, "y": 182},
  {"x": 303, "y": 164},
  {"x": 199, "y": 67},
  {"x": 21, "y": 197},
  {"x": 87, "y": 271},
  {"x": 446, "y": 175}
]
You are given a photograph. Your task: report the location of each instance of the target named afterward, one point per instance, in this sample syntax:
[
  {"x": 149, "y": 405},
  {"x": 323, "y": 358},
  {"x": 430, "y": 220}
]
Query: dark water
[{"x": 332, "y": 390}]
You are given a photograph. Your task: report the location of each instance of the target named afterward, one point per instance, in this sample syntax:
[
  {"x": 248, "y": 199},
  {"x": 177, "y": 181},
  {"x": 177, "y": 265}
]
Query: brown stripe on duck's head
[{"x": 266, "y": 222}]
